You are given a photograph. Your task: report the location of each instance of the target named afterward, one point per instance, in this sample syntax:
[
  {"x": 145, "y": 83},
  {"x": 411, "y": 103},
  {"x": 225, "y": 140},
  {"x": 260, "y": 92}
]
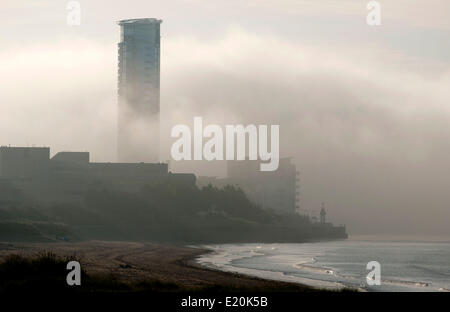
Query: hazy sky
[{"x": 364, "y": 111}]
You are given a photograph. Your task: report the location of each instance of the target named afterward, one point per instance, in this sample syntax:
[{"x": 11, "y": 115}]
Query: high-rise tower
[{"x": 138, "y": 90}]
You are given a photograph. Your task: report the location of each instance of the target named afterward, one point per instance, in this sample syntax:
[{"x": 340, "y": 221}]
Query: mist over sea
[{"x": 405, "y": 265}]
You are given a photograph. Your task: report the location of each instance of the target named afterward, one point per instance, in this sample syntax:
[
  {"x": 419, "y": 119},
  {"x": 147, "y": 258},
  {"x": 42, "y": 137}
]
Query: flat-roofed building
[
  {"x": 68, "y": 175},
  {"x": 23, "y": 162}
]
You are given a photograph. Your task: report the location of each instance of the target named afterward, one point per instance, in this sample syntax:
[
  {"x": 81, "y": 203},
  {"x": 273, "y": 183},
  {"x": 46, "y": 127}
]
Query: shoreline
[
  {"x": 321, "y": 285},
  {"x": 135, "y": 262}
]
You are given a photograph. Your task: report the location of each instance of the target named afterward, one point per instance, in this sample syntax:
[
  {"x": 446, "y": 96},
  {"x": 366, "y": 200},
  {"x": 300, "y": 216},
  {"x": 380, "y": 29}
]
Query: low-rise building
[
  {"x": 68, "y": 175},
  {"x": 276, "y": 190}
]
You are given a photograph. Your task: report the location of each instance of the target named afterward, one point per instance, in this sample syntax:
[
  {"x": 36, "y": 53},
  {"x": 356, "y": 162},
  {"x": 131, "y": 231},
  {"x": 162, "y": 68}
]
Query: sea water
[{"x": 405, "y": 266}]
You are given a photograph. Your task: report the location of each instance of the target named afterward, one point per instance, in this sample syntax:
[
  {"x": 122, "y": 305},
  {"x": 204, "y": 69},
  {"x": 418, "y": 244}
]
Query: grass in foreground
[{"x": 46, "y": 272}]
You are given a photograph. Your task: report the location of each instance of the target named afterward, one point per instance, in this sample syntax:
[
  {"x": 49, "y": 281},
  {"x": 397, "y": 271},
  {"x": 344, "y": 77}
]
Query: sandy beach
[{"x": 132, "y": 262}]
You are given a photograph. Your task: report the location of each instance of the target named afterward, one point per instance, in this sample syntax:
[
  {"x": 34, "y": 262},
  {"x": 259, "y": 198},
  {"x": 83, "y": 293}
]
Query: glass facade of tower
[{"x": 138, "y": 90}]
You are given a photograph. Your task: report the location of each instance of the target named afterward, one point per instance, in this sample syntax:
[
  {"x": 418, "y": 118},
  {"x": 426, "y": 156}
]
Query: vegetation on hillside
[{"x": 158, "y": 212}]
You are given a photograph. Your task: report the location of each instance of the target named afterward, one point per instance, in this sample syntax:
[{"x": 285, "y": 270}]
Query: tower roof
[{"x": 140, "y": 21}]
